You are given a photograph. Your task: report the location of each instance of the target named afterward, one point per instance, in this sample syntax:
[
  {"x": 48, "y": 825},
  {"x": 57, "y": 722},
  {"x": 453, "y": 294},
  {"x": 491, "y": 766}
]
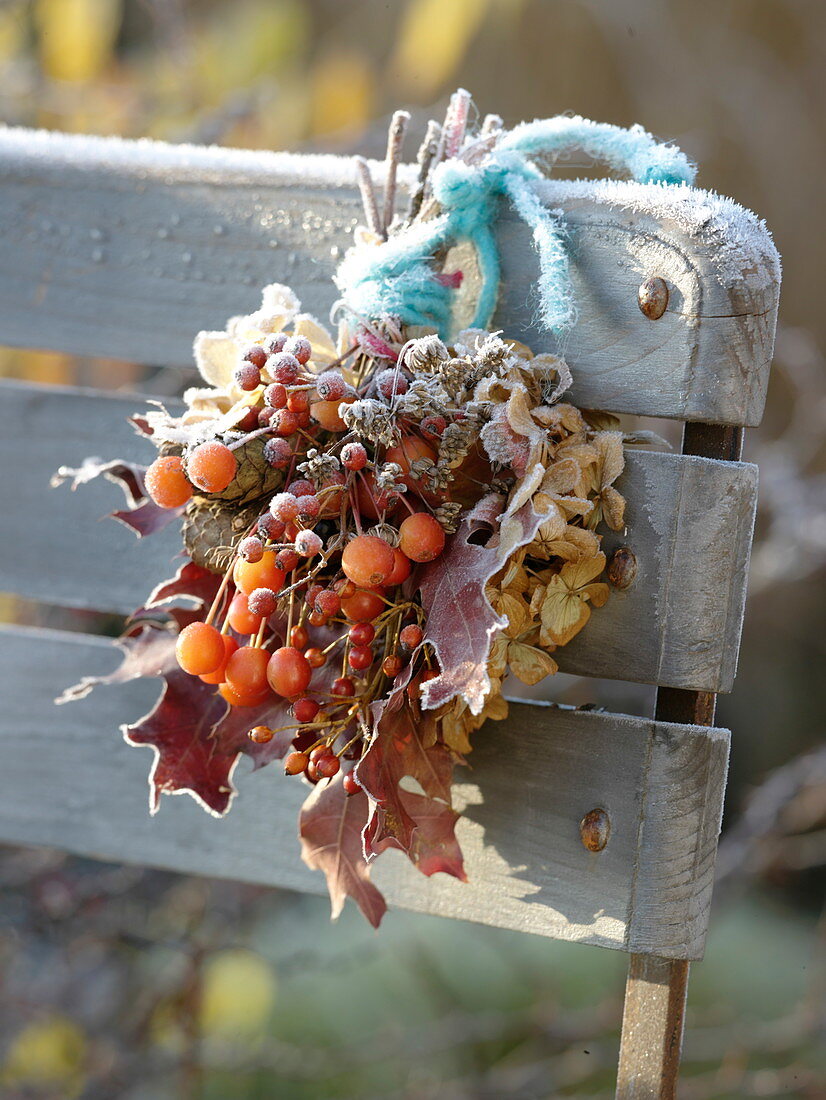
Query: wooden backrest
[{"x": 127, "y": 249}]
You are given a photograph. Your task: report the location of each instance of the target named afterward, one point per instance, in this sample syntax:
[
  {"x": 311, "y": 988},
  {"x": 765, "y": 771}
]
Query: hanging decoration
[{"x": 382, "y": 526}]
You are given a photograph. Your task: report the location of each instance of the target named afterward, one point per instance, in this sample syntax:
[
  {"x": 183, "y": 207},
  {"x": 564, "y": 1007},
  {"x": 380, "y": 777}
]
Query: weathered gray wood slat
[
  {"x": 127, "y": 249},
  {"x": 689, "y": 524},
  {"x": 67, "y": 779}
]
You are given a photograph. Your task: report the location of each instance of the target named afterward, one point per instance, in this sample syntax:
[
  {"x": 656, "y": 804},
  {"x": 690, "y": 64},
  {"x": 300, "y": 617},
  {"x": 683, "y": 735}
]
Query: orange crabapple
[
  {"x": 239, "y": 616},
  {"x": 249, "y": 575},
  {"x": 421, "y": 537},
  {"x": 217, "y": 677},
  {"x": 247, "y": 670},
  {"x": 288, "y": 672},
  {"x": 241, "y": 699},
  {"x": 362, "y": 606},
  {"x": 367, "y": 560},
  {"x": 199, "y": 649},
  {"x": 166, "y": 482},
  {"x": 211, "y": 466}
]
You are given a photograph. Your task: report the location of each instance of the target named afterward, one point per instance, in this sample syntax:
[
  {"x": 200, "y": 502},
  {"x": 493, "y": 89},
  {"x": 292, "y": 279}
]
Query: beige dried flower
[
  {"x": 598, "y": 479},
  {"x": 563, "y": 603}
]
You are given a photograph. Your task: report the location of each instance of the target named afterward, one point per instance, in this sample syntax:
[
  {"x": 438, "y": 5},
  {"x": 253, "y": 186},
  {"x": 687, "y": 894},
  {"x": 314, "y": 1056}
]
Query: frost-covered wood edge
[
  {"x": 68, "y": 780},
  {"x": 119, "y": 248},
  {"x": 689, "y": 525}
]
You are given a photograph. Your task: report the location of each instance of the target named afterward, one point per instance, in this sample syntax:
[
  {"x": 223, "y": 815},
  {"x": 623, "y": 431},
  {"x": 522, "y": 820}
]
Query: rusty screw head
[
  {"x": 595, "y": 829},
  {"x": 652, "y": 297},
  {"x": 622, "y": 568}
]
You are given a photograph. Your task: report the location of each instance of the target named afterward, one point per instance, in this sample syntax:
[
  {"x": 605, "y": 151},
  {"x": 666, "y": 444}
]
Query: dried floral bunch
[{"x": 379, "y": 530}]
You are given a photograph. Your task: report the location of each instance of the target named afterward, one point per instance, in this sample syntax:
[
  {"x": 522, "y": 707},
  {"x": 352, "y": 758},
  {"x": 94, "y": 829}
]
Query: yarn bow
[{"x": 398, "y": 276}]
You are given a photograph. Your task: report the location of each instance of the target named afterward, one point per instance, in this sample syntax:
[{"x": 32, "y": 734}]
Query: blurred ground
[{"x": 134, "y": 984}]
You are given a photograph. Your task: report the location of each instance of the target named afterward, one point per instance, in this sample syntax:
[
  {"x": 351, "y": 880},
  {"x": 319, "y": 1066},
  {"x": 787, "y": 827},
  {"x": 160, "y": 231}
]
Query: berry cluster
[{"x": 316, "y": 607}]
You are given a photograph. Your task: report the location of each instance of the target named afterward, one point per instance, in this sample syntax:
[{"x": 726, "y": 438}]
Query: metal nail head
[
  {"x": 652, "y": 297},
  {"x": 622, "y": 568},
  {"x": 595, "y": 829}
]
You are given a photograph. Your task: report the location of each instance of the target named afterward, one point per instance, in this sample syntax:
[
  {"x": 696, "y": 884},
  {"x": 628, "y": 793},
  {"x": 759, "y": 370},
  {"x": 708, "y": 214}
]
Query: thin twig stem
[
  {"x": 368, "y": 196},
  {"x": 456, "y": 122},
  {"x": 492, "y": 125},
  {"x": 424, "y": 159},
  {"x": 395, "y": 141}
]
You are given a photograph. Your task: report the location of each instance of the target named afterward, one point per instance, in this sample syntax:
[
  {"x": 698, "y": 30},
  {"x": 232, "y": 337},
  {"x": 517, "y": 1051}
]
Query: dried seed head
[
  {"x": 386, "y": 532},
  {"x": 448, "y": 515},
  {"x": 319, "y": 467},
  {"x": 390, "y": 478},
  {"x": 425, "y": 354},
  {"x": 372, "y": 420}
]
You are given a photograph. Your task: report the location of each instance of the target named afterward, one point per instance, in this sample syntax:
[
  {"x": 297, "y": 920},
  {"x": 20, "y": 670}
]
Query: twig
[
  {"x": 456, "y": 122},
  {"x": 492, "y": 126},
  {"x": 368, "y": 196},
  {"x": 424, "y": 159},
  {"x": 395, "y": 141}
]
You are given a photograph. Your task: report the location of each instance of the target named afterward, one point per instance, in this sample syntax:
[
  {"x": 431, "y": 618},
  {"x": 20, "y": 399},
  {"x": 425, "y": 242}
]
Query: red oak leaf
[
  {"x": 149, "y": 647},
  {"x": 460, "y": 620},
  {"x": 198, "y": 740},
  {"x": 398, "y": 750},
  {"x": 191, "y": 752},
  {"x": 141, "y": 425},
  {"x": 128, "y": 475},
  {"x": 191, "y": 582},
  {"x": 330, "y": 824},
  {"x": 147, "y": 518},
  {"x": 435, "y": 847},
  {"x": 148, "y": 650},
  {"x": 142, "y": 515}
]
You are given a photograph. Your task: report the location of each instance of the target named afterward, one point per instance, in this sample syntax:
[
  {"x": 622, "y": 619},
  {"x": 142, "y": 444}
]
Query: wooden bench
[{"x": 115, "y": 248}]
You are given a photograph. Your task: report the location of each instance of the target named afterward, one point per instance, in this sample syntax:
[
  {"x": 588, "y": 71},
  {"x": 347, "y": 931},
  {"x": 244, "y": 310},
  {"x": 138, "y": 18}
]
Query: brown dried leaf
[
  {"x": 331, "y": 824},
  {"x": 395, "y": 752},
  {"x": 530, "y": 664},
  {"x": 460, "y": 620}
]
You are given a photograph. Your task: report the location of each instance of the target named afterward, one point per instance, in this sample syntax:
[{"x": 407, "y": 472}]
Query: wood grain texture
[
  {"x": 652, "y": 1028},
  {"x": 68, "y": 780},
  {"x": 689, "y": 525},
  {"x": 111, "y": 247},
  {"x": 657, "y": 988}
]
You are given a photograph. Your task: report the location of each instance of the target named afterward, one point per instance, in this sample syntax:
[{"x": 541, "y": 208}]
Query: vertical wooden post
[
  {"x": 656, "y": 989},
  {"x": 652, "y": 1028}
]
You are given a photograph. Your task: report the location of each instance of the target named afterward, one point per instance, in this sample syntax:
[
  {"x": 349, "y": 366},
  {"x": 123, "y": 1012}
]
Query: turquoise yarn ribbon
[{"x": 398, "y": 278}]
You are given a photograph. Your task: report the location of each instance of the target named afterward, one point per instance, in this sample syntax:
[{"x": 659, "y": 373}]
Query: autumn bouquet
[{"x": 378, "y": 529}]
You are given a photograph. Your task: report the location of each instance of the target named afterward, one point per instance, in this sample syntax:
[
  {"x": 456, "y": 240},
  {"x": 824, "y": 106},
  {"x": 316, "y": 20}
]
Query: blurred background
[{"x": 120, "y": 982}]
